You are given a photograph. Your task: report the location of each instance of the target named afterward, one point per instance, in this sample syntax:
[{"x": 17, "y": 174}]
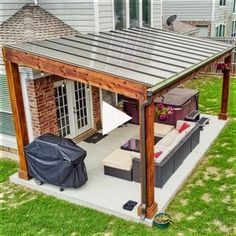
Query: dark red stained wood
[
  {"x": 16, "y": 98},
  {"x": 151, "y": 205},
  {"x": 149, "y": 139},
  {"x": 225, "y": 91},
  {"x": 97, "y": 79}
]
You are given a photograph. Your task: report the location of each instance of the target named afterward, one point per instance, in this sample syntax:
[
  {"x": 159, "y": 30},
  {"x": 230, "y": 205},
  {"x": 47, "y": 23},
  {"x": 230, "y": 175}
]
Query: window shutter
[
  {"x": 6, "y": 124},
  {"x": 5, "y": 104},
  {"x": 6, "y": 119}
]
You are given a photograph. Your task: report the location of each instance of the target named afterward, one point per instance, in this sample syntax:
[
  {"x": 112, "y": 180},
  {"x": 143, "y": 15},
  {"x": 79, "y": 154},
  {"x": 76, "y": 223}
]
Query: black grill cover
[{"x": 56, "y": 160}]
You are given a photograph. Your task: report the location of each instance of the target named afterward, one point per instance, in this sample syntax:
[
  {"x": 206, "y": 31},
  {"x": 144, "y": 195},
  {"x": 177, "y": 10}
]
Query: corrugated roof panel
[
  {"x": 177, "y": 41},
  {"x": 145, "y": 55},
  {"x": 180, "y": 48},
  {"x": 175, "y": 50},
  {"x": 87, "y": 63},
  {"x": 119, "y": 54},
  {"x": 127, "y": 43},
  {"x": 94, "y": 55},
  {"x": 125, "y": 48}
]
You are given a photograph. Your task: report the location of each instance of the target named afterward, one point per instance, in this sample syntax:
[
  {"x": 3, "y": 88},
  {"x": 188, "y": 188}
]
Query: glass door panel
[
  {"x": 62, "y": 110},
  {"x": 82, "y": 107}
]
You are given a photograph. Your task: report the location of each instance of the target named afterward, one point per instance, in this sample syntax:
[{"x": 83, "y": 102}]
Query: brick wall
[
  {"x": 96, "y": 108},
  {"x": 42, "y": 106}
]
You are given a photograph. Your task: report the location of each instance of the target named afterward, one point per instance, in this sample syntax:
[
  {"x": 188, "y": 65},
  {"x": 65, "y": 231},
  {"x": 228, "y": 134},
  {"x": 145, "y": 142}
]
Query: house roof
[
  {"x": 32, "y": 23},
  {"x": 144, "y": 55},
  {"x": 180, "y": 27}
]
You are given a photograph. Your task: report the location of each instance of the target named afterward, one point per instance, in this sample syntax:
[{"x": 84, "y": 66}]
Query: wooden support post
[
  {"x": 17, "y": 105},
  {"x": 225, "y": 90},
  {"x": 151, "y": 205}
]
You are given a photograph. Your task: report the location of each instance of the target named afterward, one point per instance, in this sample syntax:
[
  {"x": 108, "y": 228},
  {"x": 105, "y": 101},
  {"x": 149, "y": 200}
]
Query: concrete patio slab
[{"x": 109, "y": 194}]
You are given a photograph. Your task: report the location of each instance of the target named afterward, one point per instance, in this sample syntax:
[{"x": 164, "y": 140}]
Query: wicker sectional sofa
[{"x": 175, "y": 148}]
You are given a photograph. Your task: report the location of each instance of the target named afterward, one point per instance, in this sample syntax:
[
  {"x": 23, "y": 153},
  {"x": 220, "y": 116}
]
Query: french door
[{"x": 73, "y": 108}]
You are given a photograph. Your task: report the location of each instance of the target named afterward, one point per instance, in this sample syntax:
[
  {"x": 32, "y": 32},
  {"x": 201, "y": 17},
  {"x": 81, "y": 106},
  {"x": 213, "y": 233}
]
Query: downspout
[{"x": 143, "y": 155}]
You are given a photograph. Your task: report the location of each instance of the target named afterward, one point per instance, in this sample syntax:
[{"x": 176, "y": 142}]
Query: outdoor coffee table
[{"x": 133, "y": 144}]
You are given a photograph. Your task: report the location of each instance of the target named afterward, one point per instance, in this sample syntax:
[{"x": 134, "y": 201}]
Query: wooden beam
[
  {"x": 151, "y": 205},
  {"x": 149, "y": 120},
  {"x": 97, "y": 79},
  {"x": 225, "y": 91},
  {"x": 17, "y": 105}
]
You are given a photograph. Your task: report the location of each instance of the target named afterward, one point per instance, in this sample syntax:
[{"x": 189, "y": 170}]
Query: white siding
[
  {"x": 105, "y": 15},
  {"x": 188, "y": 10},
  {"x": 157, "y": 13},
  {"x": 10, "y": 7},
  {"x": 77, "y": 13},
  {"x": 223, "y": 15}
]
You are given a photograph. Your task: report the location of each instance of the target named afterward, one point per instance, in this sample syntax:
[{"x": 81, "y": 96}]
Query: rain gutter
[{"x": 143, "y": 155}]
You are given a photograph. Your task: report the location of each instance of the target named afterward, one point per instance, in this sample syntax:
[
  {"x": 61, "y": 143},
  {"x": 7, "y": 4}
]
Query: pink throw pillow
[
  {"x": 183, "y": 127},
  {"x": 157, "y": 154}
]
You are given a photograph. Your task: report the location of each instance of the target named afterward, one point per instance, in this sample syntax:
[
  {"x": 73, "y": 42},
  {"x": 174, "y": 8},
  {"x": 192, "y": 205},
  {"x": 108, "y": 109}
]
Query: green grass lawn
[
  {"x": 206, "y": 205},
  {"x": 210, "y": 94}
]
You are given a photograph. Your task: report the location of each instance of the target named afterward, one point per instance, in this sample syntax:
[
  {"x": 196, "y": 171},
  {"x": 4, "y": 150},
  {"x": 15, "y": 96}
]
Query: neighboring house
[
  {"x": 181, "y": 28},
  {"x": 55, "y": 18},
  {"x": 214, "y": 18},
  {"x": 94, "y": 15}
]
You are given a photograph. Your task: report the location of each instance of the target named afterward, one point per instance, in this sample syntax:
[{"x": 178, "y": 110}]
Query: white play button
[{"x": 112, "y": 118}]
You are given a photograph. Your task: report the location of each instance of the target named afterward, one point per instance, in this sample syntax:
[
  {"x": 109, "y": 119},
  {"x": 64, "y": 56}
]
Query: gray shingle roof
[
  {"x": 32, "y": 23},
  {"x": 180, "y": 27}
]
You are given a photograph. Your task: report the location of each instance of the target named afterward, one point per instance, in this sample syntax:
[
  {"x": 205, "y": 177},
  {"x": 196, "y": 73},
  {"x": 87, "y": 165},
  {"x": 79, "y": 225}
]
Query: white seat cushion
[
  {"x": 169, "y": 138},
  {"x": 161, "y": 130},
  {"x": 119, "y": 159}
]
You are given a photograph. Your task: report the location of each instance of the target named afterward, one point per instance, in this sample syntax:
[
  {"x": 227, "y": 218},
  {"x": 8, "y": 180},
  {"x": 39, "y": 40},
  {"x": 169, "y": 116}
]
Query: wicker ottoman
[{"x": 118, "y": 164}]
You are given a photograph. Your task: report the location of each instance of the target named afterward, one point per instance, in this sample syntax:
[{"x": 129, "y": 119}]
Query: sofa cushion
[
  {"x": 158, "y": 148},
  {"x": 161, "y": 130},
  {"x": 119, "y": 159},
  {"x": 169, "y": 138}
]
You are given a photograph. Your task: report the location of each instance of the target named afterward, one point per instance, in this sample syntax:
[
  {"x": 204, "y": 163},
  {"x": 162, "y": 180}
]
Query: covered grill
[{"x": 55, "y": 160}]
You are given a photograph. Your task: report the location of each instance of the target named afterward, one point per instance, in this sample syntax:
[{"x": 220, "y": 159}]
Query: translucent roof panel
[{"x": 146, "y": 56}]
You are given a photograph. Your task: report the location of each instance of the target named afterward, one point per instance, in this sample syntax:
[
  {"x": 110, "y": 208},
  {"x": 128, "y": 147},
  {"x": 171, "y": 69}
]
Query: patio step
[{"x": 193, "y": 116}]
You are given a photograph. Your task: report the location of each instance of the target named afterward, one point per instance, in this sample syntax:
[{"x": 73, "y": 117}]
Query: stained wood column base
[
  {"x": 150, "y": 211},
  {"x": 223, "y": 116},
  {"x": 23, "y": 175}
]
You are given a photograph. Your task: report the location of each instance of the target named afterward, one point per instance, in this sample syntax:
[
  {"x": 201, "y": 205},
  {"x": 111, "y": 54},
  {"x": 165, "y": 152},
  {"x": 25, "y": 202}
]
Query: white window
[
  {"x": 132, "y": 13},
  {"x": 222, "y": 2},
  {"x": 233, "y": 32},
  {"x": 220, "y": 30},
  {"x": 120, "y": 14},
  {"x": 146, "y": 13}
]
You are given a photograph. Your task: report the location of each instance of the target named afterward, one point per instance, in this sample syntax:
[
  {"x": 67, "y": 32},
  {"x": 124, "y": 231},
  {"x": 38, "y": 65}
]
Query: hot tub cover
[{"x": 56, "y": 160}]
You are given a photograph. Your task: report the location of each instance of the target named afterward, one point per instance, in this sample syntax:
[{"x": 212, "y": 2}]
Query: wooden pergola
[{"x": 141, "y": 63}]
